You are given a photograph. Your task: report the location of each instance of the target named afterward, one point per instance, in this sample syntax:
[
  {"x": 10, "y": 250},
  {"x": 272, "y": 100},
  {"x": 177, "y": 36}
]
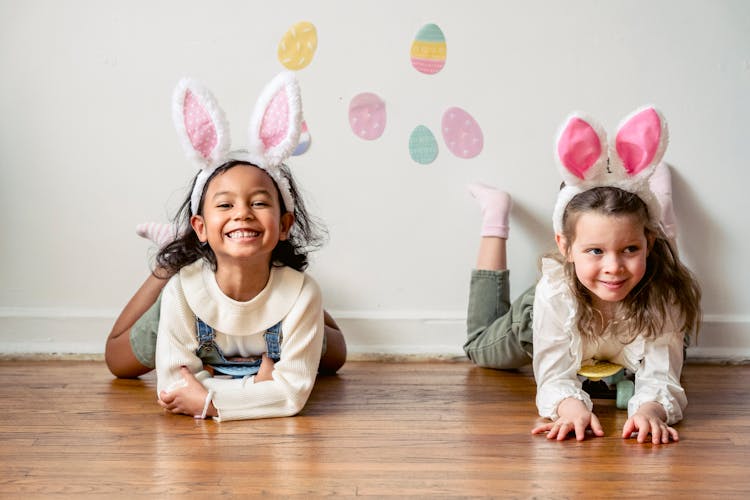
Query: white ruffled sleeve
[
  {"x": 658, "y": 376},
  {"x": 557, "y": 347}
]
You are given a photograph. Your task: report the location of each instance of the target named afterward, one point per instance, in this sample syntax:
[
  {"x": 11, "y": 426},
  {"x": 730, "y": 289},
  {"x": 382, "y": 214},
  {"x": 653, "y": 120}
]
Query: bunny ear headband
[
  {"x": 586, "y": 161},
  {"x": 273, "y": 133}
]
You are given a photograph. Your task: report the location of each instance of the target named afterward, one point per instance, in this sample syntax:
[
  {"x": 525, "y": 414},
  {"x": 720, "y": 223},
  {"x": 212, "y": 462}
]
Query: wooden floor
[{"x": 377, "y": 429}]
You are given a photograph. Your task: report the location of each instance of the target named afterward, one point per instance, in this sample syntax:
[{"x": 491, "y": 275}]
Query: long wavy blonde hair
[{"x": 666, "y": 284}]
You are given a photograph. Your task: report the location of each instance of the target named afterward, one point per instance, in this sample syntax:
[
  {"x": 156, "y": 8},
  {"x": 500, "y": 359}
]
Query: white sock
[
  {"x": 661, "y": 185},
  {"x": 495, "y": 205},
  {"x": 161, "y": 234}
]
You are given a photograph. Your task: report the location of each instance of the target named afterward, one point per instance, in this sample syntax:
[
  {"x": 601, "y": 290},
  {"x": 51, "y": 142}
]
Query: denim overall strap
[
  {"x": 273, "y": 342},
  {"x": 205, "y": 333},
  {"x": 211, "y": 354},
  {"x": 207, "y": 350}
]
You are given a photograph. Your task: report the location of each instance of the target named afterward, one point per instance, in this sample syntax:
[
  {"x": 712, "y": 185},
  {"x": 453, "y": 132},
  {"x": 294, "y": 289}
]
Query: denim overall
[{"x": 212, "y": 356}]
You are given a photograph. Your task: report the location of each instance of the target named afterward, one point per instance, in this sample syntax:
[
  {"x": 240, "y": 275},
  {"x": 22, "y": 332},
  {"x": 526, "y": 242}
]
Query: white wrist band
[{"x": 209, "y": 397}]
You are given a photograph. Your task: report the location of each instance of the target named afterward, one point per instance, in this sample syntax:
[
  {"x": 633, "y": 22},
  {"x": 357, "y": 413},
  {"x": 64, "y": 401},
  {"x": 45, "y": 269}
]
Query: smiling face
[
  {"x": 609, "y": 254},
  {"x": 241, "y": 216}
]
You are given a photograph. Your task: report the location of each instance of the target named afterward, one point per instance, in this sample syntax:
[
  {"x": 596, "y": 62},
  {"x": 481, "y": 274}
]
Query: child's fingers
[
  {"x": 638, "y": 424},
  {"x": 645, "y": 425},
  {"x": 555, "y": 430},
  {"x": 580, "y": 428},
  {"x": 673, "y": 434},
  {"x": 664, "y": 433},
  {"x": 166, "y": 397},
  {"x": 656, "y": 433},
  {"x": 596, "y": 426},
  {"x": 562, "y": 431},
  {"x": 546, "y": 427},
  {"x": 169, "y": 402},
  {"x": 628, "y": 429},
  {"x": 651, "y": 426},
  {"x": 643, "y": 430}
]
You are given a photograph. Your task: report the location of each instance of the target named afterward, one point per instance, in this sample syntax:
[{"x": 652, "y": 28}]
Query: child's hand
[
  {"x": 189, "y": 399},
  {"x": 266, "y": 368},
  {"x": 650, "y": 419},
  {"x": 573, "y": 417}
]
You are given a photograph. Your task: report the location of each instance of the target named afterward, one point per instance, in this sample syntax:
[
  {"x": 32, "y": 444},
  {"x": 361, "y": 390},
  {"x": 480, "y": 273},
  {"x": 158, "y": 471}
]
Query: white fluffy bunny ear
[
  {"x": 200, "y": 123},
  {"x": 586, "y": 162},
  {"x": 581, "y": 150},
  {"x": 641, "y": 141},
  {"x": 277, "y": 120}
]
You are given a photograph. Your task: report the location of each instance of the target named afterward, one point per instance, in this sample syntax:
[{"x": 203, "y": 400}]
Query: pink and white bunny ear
[
  {"x": 585, "y": 161},
  {"x": 581, "y": 149},
  {"x": 200, "y": 123},
  {"x": 277, "y": 120},
  {"x": 641, "y": 140}
]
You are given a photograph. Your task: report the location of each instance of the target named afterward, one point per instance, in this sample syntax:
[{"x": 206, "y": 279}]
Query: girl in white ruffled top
[{"x": 615, "y": 290}]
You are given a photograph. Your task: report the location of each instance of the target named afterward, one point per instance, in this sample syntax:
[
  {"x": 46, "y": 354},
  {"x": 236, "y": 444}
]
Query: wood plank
[{"x": 406, "y": 429}]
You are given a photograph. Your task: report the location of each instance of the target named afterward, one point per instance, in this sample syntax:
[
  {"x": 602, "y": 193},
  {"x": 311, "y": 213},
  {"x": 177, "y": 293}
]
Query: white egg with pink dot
[
  {"x": 367, "y": 116},
  {"x": 461, "y": 133}
]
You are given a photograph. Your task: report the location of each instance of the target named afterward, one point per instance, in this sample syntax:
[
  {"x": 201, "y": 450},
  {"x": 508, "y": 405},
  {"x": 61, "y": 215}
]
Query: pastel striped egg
[
  {"x": 297, "y": 46},
  {"x": 428, "y": 50}
]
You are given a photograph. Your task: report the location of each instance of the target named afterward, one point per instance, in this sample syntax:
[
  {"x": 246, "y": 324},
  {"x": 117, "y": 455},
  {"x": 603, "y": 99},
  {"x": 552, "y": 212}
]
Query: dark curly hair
[{"x": 306, "y": 235}]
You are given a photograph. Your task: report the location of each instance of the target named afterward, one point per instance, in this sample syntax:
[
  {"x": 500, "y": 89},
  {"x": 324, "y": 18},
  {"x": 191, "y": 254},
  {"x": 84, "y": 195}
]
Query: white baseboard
[
  {"x": 723, "y": 338},
  {"x": 393, "y": 334}
]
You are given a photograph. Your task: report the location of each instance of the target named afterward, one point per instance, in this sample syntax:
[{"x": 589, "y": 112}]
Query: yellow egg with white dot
[{"x": 297, "y": 46}]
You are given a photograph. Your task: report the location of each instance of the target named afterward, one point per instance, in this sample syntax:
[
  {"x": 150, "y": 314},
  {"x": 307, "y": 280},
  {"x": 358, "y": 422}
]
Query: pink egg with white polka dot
[
  {"x": 367, "y": 116},
  {"x": 461, "y": 133}
]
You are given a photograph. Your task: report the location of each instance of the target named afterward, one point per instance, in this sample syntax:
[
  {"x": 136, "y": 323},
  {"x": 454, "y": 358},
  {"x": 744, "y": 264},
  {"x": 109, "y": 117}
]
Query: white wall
[{"x": 87, "y": 148}]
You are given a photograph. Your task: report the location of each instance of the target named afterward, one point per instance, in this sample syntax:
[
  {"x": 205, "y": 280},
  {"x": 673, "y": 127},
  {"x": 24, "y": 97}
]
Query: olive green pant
[
  {"x": 143, "y": 335},
  {"x": 499, "y": 334}
]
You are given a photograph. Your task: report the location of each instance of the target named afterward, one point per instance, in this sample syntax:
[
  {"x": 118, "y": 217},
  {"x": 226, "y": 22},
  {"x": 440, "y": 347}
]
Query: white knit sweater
[{"x": 290, "y": 296}]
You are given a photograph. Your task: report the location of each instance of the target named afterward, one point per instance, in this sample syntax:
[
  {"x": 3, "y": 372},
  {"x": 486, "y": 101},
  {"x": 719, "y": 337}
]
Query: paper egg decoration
[
  {"x": 461, "y": 133},
  {"x": 297, "y": 46},
  {"x": 304, "y": 141},
  {"x": 423, "y": 147},
  {"x": 428, "y": 50},
  {"x": 367, "y": 116}
]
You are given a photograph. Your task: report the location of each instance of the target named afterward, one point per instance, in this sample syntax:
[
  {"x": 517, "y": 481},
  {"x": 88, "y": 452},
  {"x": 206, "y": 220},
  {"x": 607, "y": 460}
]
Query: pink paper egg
[
  {"x": 461, "y": 133},
  {"x": 367, "y": 116}
]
